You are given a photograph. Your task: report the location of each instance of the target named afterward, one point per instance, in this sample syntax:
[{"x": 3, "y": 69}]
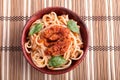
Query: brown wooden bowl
[{"x": 59, "y": 11}]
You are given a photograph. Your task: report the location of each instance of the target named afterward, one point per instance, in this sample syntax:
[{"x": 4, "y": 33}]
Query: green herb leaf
[
  {"x": 72, "y": 25},
  {"x": 57, "y": 61},
  {"x": 36, "y": 28}
]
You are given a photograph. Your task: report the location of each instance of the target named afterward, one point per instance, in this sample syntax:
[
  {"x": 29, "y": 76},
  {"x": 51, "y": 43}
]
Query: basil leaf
[
  {"x": 56, "y": 61},
  {"x": 36, "y": 28},
  {"x": 72, "y": 25}
]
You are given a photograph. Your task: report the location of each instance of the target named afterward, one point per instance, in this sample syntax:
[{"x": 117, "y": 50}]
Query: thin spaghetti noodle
[{"x": 54, "y": 39}]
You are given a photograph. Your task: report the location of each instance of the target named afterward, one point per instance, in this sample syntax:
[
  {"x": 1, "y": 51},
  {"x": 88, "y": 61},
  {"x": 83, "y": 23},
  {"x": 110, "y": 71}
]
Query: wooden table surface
[{"x": 102, "y": 18}]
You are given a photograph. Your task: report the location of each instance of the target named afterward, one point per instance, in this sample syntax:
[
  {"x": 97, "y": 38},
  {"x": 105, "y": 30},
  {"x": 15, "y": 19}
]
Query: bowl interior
[{"x": 59, "y": 11}]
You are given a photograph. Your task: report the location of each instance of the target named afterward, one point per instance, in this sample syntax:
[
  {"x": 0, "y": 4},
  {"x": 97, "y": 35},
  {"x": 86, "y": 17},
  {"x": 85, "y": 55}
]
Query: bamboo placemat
[{"x": 102, "y": 18}]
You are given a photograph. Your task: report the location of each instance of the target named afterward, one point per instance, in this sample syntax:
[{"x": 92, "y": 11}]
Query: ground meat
[
  {"x": 59, "y": 48},
  {"x": 56, "y": 32},
  {"x": 56, "y": 40}
]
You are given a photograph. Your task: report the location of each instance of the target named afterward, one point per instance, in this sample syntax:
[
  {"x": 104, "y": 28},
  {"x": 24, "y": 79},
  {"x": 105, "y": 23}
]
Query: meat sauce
[{"x": 56, "y": 39}]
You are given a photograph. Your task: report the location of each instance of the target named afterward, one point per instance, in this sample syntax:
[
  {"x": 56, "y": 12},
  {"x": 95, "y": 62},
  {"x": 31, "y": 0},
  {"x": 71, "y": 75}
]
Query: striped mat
[{"x": 102, "y": 18}]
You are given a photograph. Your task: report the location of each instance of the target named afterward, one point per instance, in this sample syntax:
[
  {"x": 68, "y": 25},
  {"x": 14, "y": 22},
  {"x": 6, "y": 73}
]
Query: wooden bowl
[{"x": 59, "y": 11}]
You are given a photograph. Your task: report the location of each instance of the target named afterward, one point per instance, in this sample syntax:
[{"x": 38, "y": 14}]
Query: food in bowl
[{"x": 54, "y": 41}]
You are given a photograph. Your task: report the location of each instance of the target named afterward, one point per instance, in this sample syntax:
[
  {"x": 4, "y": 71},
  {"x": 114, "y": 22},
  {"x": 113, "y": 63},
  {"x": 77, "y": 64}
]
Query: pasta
[{"x": 53, "y": 43}]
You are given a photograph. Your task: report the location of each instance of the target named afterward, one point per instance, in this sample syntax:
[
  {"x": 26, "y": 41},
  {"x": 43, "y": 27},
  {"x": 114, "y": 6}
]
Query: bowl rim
[{"x": 57, "y": 71}]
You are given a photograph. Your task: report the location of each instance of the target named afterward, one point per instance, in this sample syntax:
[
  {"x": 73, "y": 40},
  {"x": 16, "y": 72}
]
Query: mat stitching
[
  {"x": 84, "y": 18},
  {"x": 94, "y": 48}
]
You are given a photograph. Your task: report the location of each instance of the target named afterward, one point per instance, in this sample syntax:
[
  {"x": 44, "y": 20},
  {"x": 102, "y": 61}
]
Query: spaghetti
[{"x": 52, "y": 43}]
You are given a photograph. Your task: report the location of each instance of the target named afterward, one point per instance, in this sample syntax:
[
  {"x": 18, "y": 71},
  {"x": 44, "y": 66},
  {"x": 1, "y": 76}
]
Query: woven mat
[{"x": 102, "y": 18}]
